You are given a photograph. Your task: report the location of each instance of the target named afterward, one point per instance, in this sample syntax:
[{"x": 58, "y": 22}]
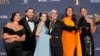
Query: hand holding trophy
[{"x": 96, "y": 18}]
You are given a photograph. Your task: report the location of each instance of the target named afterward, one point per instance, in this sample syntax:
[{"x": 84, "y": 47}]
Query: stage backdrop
[{"x": 7, "y": 7}]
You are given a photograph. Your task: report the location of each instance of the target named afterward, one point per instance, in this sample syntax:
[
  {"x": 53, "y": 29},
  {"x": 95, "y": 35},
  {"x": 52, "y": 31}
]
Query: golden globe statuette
[
  {"x": 96, "y": 17},
  {"x": 77, "y": 2}
]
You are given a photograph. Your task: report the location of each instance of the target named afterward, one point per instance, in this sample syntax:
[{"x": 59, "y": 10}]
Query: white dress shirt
[
  {"x": 52, "y": 27},
  {"x": 31, "y": 25}
]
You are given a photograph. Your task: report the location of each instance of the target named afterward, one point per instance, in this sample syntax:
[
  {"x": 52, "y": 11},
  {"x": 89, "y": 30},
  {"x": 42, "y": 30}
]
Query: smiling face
[
  {"x": 83, "y": 12},
  {"x": 17, "y": 17},
  {"x": 43, "y": 17},
  {"x": 29, "y": 13},
  {"x": 69, "y": 12},
  {"x": 53, "y": 14}
]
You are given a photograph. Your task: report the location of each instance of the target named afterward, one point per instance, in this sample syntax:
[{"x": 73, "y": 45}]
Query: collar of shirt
[
  {"x": 31, "y": 25},
  {"x": 28, "y": 19},
  {"x": 54, "y": 21}
]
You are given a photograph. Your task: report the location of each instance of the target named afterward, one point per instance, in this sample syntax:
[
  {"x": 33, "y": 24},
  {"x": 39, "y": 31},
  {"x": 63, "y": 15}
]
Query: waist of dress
[
  {"x": 15, "y": 43},
  {"x": 43, "y": 33},
  {"x": 15, "y": 34},
  {"x": 72, "y": 32},
  {"x": 67, "y": 33}
]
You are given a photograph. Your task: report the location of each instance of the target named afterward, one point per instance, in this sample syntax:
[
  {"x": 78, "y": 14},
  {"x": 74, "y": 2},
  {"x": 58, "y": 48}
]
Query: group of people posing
[{"x": 48, "y": 36}]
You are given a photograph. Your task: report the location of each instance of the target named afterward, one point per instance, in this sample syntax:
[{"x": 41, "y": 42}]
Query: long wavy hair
[{"x": 74, "y": 19}]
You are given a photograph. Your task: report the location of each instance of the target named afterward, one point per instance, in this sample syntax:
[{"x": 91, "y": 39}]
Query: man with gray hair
[{"x": 55, "y": 30}]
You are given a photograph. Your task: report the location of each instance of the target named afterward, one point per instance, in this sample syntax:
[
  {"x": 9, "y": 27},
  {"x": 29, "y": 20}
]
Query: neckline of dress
[{"x": 14, "y": 30}]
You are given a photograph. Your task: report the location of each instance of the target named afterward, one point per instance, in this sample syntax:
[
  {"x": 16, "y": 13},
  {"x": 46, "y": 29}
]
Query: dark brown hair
[
  {"x": 13, "y": 15},
  {"x": 73, "y": 15},
  {"x": 29, "y": 9},
  {"x": 82, "y": 8},
  {"x": 40, "y": 14}
]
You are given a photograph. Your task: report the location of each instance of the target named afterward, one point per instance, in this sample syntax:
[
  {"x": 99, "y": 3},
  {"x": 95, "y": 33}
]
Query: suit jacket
[
  {"x": 56, "y": 33},
  {"x": 30, "y": 41}
]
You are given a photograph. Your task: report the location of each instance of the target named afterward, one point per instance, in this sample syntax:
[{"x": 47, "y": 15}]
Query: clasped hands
[{"x": 13, "y": 39}]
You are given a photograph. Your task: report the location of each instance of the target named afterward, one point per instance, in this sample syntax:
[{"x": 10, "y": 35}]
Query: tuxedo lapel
[{"x": 26, "y": 25}]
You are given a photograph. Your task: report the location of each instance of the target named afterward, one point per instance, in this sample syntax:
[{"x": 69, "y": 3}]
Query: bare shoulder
[
  {"x": 8, "y": 24},
  {"x": 40, "y": 24}
]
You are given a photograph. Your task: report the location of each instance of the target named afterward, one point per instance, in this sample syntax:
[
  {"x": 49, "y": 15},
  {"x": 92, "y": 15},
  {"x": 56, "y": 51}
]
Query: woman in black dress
[
  {"x": 14, "y": 34},
  {"x": 87, "y": 29}
]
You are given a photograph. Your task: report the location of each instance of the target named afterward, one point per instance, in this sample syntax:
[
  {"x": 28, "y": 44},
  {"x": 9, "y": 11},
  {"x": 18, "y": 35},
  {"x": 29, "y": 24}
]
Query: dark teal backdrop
[{"x": 7, "y": 7}]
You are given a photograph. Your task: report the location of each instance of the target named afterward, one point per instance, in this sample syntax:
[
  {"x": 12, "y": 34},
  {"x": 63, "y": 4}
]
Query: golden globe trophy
[
  {"x": 96, "y": 18},
  {"x": 77, "y": 2}
]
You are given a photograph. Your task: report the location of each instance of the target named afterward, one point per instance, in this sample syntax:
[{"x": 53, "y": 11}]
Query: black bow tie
[{"x": 30, "y": 20}]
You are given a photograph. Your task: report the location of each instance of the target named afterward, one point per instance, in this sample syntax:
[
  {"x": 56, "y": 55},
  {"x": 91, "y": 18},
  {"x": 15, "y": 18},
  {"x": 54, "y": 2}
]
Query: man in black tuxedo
[
  {"x": 30, "y": 27},
  {"x": 55, "y": 30}
]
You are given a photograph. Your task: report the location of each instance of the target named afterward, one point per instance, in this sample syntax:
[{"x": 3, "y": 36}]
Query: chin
[
  {"x": 45, "y": 21},
  {"x": 30, "y": 16}
]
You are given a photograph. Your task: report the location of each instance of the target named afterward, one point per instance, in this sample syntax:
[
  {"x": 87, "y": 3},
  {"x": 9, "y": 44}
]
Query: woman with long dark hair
[
  {"x": 87, "y": 28},
  {"x": 42, "y": 43},
  {"x": 14, "y": 34},
  {"x": 69, "y": 35}
]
